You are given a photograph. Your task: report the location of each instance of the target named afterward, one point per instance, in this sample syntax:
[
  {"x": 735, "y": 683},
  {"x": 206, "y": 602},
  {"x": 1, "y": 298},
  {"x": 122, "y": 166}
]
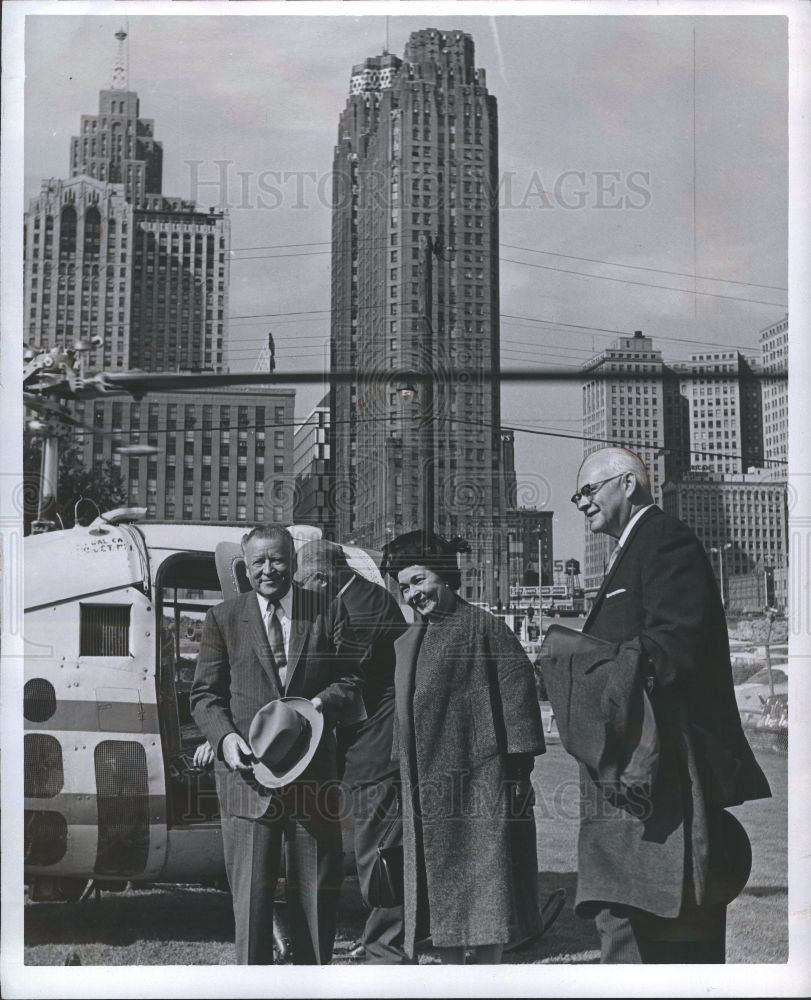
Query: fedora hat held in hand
[{"x": 284, "y": 737}]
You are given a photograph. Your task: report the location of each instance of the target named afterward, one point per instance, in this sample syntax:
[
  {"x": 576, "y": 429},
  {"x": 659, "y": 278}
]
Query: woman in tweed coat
[{"x": 468, "y": 729}]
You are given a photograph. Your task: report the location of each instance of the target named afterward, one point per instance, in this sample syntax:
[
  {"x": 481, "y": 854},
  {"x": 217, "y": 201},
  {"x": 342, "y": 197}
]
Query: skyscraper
[
  {"x": 415, "y": 175},
  {"x": 774, "y": 358},
  {"x": 644, "y": 412},
  {"x": 723, "y": 390},
  {"x": 109, "y": 256}
]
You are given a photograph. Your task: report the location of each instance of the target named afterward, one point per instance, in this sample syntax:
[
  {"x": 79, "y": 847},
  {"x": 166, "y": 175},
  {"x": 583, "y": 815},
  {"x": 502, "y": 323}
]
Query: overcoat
[
  {"x": 466, "y": 700},
  {"x": 670, "y": 850}
]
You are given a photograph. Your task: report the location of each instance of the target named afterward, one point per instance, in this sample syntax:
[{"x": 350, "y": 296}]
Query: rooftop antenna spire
[
  {"x": 266, "y": 362},
  {"x": 386, "y": 49},
  {"x": 121, "y": 70}
]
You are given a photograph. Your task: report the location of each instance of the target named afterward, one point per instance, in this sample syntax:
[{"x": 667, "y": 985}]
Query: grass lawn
[{"x": 185, "y": 925}]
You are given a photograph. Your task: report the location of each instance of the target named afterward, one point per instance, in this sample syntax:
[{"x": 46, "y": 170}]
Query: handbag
[{"x": 386, "y": 887}]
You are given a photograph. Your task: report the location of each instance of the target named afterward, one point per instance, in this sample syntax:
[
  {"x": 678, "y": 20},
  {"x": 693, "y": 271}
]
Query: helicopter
[{"x": 113, "y": 615}]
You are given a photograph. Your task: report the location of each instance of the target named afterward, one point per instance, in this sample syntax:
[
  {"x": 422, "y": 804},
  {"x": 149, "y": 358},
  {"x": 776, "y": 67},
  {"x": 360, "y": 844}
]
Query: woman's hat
[
  {"x": 284, "y": 736},
  {"x": 425, "y": 548}
]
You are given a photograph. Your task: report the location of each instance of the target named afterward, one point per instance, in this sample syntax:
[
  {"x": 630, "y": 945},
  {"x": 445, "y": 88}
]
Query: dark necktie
[{"x": 276, "y": 640}]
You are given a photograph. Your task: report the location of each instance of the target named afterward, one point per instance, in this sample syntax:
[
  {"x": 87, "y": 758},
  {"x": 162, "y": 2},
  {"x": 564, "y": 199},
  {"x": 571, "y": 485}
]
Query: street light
[
  {"x": 137, "y": 450},
  {"x": 719, "y": 551},
  {"x": 407, "y": 392},
  {"x": 540, "y": 580},
  {"x": 772, "y": 613}
]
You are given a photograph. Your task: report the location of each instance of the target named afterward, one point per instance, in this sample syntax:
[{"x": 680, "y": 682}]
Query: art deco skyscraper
[
  {"x": 417, "y": 161},
  {"x": 109, "y": 256}
]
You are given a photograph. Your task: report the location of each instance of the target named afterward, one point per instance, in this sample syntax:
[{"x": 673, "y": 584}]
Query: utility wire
[
  {"x": 86, "y": 429},
  {"x": 582, "y": 328},
  {"x": 581, "y": 274},
  {"x": 644, "y": 284},
  {"x": 514, "y": 246}
]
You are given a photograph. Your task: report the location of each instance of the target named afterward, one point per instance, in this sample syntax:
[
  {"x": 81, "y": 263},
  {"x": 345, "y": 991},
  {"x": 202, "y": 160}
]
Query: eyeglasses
[{"x": 590, "y": 490}]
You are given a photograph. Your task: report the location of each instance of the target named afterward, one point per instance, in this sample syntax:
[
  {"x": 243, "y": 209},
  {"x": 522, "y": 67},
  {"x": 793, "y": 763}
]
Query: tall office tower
[
  {"x": 774, "y": 359},
  {"x": 416, "y": 164},
  {"x": 726, "y": 420},
  {"x": 108, "y": 256},
  {"x": 644, "y": 412}
]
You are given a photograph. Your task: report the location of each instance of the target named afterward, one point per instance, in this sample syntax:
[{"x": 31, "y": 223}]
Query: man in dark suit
[
  {"x": 365, "y": 749},
  {"x": 657, "y": 874},
  {"x": 278, "y": 640}
]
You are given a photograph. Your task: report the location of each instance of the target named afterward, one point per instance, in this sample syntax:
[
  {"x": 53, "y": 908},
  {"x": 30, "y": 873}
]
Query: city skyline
[{"x": 601, "y": 121}]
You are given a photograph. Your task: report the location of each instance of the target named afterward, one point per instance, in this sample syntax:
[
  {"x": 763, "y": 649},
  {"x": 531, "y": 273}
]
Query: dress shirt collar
[
  {"x": 629, "y": 526},
  {"x": 285, "y": 603}
]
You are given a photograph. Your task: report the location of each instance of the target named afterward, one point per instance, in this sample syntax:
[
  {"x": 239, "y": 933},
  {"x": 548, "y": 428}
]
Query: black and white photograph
[{"x": 405, "y": 521}]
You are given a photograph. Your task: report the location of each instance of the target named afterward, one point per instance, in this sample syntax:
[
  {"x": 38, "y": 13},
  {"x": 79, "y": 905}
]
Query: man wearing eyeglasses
[{"x": 657, "y": 879}]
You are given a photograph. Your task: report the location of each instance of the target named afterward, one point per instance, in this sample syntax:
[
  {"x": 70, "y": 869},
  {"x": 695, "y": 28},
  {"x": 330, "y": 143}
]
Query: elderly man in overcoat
[{"x": 657, "y": 877}]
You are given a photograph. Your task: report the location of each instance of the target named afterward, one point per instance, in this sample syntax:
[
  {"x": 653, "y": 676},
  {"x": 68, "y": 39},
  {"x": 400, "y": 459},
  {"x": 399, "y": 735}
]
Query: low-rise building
[
  {"x": 740, "y": 519},
  {"x": 315, "y": 498},
  {"x": 221, "y": 456}
]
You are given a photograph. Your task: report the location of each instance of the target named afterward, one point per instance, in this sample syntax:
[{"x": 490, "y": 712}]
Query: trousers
[
  {"x": 302, "y": 818},
  {"x": 376, "y": 815},
  {"x": 634, "y": 937}
]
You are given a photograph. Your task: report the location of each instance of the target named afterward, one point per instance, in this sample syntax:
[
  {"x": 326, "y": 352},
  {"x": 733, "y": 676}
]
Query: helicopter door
[{"x": 186, "y": 587}]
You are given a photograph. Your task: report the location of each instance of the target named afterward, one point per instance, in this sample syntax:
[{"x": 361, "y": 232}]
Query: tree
[{"x": 104, "y": 486}]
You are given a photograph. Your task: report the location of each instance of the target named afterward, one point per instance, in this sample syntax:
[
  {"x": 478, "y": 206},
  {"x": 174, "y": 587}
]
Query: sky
[{"x": 648, "y": 154}]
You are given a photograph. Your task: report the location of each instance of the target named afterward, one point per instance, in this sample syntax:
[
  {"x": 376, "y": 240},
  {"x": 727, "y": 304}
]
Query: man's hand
[
  {"x": 236, "y": 753},
  {"x": 203, "y": 756}
]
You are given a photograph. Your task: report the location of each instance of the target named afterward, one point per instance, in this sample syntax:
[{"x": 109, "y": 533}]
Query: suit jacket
[
  {"x": 376, "y": 621},
  {"x": 665, "y": 853},
  {"x": 236, "y": 676}
]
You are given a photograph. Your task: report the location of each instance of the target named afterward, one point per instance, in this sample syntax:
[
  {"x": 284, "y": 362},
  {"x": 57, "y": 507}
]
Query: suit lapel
[
  {"x": 259, "y": 639},
  {"x": 301, "y": 625},
  {"x": 612, "y": 572}
]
